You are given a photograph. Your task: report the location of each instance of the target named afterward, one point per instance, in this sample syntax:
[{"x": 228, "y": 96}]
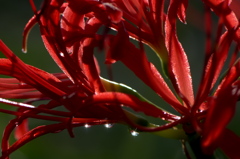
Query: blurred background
[{"x": 98, "y": 142}]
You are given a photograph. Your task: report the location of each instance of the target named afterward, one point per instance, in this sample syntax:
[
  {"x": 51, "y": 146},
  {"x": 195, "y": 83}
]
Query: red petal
[
  {"x": 134, "y": 103},
  {"x": 113, "y": 12},
  {"x": 90, "y": 66},
  {"x": 179, "y": 68},
  {"x": 51, "y": 34},
  {"x": 221, "y": 8},
  {"x": 34, "y": 78},
  {"x": 136, "y": 61},
  {"x": 137, "y": 105},
  {"x": 26, "y": 31},
  {"x": 72, "y": 26},
  {"x": 40, "y": 131},
  {"x": 221, "y": 108},
  {"x": 182, "y": 11},
  {"x": 21, "y": 129},
  {"x": 214, "y": 66},
  {"x": 30, "y": 135},
  {"x": 235, "y": 7},
  {"x": 229, "y": 143}
]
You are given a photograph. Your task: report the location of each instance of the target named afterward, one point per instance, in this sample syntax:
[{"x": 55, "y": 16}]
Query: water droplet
[
  {"x": 24, "y": 50},
  {"x": 17, "y": 124},
  {"x": 87, "y": 126},
  {"x": 35, "y": 134},
  {"x": 61, "y": 54},
  {"x": 108, "y": 125},
  {"x": 134, "y": 133},
  {"x": 22, "y": 83}
]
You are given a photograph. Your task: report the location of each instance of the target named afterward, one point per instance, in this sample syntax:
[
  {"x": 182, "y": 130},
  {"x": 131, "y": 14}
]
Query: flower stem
[{"x": 195, "y": 144}]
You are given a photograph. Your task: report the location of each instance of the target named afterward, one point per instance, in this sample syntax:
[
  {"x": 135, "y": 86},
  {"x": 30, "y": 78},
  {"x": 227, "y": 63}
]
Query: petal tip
[{"x": 24, "y": 50}]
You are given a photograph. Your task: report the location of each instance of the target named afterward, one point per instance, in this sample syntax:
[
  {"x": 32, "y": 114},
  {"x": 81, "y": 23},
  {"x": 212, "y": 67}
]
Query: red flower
[{"x": 71, "y": 31}]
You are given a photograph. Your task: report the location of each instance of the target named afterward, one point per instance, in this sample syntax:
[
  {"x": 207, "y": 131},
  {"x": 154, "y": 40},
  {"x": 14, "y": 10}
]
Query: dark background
[{"x": 98, "y": 142}]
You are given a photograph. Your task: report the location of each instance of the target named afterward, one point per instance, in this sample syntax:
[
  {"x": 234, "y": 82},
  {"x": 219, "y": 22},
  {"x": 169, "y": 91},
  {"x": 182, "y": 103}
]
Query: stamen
[{"x": 6, "y": 101}]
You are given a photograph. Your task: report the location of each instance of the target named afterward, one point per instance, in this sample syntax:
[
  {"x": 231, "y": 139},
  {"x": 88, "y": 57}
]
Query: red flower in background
[{"x": 71, "y": 31}]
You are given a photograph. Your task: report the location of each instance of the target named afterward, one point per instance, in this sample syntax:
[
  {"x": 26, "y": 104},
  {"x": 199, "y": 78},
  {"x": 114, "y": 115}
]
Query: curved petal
[
  {"x": 42, "y": 130},
  {"x": 26, "y": 31},
  {"x": 49, "y": 21},
  {"x": 182, "y": 11},
  {"x": 36, "y": 79},
  {"x": 222, "y": 9},
  {"x": 132, "y": 102},
  {"x": 179, "y": 68},
  {"x": 30, "y": 135},
  {"x": 222, "y": 105},
  {"x": 214, "y": 66},
  {"x": 89, "y": 65},
  {"x": 136, "y": 61}
]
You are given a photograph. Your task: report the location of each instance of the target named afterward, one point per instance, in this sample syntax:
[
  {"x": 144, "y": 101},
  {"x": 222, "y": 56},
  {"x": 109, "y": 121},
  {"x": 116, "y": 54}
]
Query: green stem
[
  {"x": 171, "y": 133},
  {"x": 195, "y": 144}
]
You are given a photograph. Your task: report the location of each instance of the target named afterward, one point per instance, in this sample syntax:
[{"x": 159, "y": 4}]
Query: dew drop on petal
[
  {"x": 134, "y": 133},
  {"x": 16, "y": 123},
  {"x": 108, "y": 125},
  {"x": 22, "y": 83},
  {"x": 24, "y": 51},
  {"x": 87, "y": 126},
  {"x": 34, "y": 135},
  {"x": 61, "y": 54}
]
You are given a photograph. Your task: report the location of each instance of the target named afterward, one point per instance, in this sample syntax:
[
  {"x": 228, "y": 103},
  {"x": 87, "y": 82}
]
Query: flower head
[{"x": 71, "y": 32}]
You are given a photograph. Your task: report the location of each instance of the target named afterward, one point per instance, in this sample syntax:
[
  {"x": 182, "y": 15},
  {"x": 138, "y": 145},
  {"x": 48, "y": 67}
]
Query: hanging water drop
[
  {"x": 87, "y": 126},
  {"x": 108, "y": 125},
  {"x": 21, "y": 83},
  {"x": 134, "y": 133}
]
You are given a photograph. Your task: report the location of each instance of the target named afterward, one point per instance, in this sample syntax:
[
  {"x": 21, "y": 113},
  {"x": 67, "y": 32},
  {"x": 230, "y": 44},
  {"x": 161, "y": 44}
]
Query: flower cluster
[{"x": 72, "y": 30}]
